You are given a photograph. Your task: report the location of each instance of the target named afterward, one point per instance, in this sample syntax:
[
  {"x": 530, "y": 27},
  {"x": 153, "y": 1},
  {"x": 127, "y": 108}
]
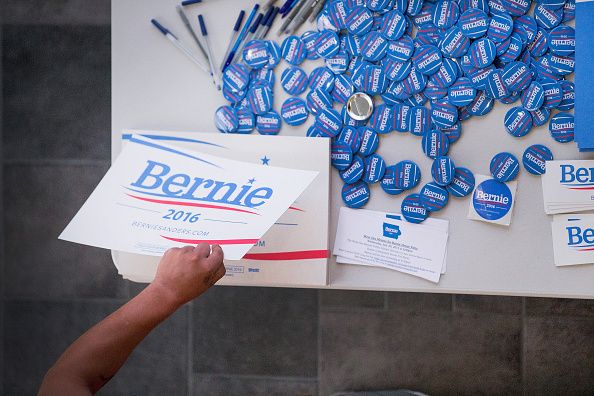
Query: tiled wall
[{"x": 232, "y": 341}]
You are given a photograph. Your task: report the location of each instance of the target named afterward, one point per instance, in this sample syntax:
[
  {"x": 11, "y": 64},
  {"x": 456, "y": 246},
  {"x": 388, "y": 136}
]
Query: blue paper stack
[{"x": 584, "y": 75}]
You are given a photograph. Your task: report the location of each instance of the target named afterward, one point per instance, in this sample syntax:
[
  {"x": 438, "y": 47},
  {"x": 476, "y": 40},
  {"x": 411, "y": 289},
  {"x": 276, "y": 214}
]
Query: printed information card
[
  {"x": 156, "y": 196},
  {"x": 366, "y": 238},
  {"x": 573, "y": 239},
  {"x": 568, "y": 186}
]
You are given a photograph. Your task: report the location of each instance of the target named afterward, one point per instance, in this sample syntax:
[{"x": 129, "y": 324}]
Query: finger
[
  {"x": 187, "y": 249},
  {"x": 202, "y": 250},
  {"x": 216, "y": 256}
]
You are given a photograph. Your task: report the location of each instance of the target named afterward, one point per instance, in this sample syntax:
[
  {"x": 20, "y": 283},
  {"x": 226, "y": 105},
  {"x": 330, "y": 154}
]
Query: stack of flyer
[
  {"x": 386, "y": 240},
  {"x": 568, "y": 186},
  {"x": 573, "y": 239},
  {"x": 262, "y": 198}
]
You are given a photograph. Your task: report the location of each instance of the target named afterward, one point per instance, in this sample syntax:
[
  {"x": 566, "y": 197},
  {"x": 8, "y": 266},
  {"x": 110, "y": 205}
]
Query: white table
[{"x": 155, "y": 87}]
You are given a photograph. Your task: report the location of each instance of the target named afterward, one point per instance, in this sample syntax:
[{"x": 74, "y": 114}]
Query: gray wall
[{"x": 244, "y": 341}]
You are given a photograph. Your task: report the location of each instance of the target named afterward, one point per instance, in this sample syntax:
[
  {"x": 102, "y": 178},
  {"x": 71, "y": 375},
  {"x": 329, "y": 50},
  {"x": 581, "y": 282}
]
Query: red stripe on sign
[
  {"x": 296, "y": 208},
  {"x": 199, "y": 205},
  {"x": 298, "y": 255},
  {"x": 586, "y": 250},
  {"x": 214, "y": 241}
]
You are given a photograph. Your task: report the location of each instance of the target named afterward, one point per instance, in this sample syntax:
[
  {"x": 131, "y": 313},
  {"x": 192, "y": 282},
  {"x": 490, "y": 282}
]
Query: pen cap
[
  {"x": 239, "y": 20},
  {"x": 270, "y": 21},
  {"x": 202, "y": 25},
  {"x": 190, "y": 2},
  {"x": 264, "y": 20},
  {"x": 160, "y": 27},
  {"x": 256, "y": 23}
]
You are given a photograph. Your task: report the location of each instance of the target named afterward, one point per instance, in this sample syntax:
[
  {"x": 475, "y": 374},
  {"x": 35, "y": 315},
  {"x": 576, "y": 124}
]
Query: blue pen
[
  {"x": 270, "y": 22},
  {"x": 233, "y": 36},
  {"x": 209, "y": 51},
  {"x": 263, "y": 22},
  {"x": 285, "y": 6},
  {"x": 179, "y": 45},
  {"x": 190, "y": 2},
  {"x": 241, "y": 36}
]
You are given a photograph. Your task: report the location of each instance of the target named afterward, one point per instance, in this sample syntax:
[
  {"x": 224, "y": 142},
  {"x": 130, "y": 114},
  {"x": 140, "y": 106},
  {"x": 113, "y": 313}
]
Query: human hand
[{"x": 185, "y": 273}]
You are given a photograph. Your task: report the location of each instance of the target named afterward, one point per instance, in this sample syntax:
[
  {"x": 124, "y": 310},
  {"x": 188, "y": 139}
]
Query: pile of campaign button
[{"x": 417, "y": 67}]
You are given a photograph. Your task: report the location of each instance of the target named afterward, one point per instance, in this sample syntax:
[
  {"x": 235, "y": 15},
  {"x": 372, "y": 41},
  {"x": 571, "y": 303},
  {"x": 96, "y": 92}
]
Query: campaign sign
[{"x": 156, "y": 196}]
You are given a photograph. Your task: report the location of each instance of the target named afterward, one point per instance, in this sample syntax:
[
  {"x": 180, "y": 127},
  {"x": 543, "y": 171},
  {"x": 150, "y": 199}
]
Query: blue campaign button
[
  {"x": 394, "y": 94},
  {"x": 373, "y": 46},
  {"x": 324, "y": 22},
  {"x": 394, "y": 25},
  {"x": 454, "y": 43},
  {"x": 355, "y": 195},
  {"x": 369, "y": 141},
  {"x": 540, "y": 44},
  {"x": 535, "y": 158},
  {"x": 504, "y": 167},
  {"x": 274, "y": 55},
  {"x": 413, "y": 210},
  {"x": 546, "y": 17},
  {"x": 495, "y": 87},
  {"x": 375, "y": 81},
  {"x": 511, "y": 98},
  {"x": 294, "y": 111},
  {"x": 454, "y": 132},
  {"x": 516, "y": 76},
  {"x": 419, "y": 120},
  {"x": 246, "y": 121},
  {"x": 434, "y": 197},
  {"x": 429, "y": 35},
  {"x": 435, "y": 144},
  {"x": 481, "y": 105},
  {"x": 329, "y": 122},
  {"x": 568, "y": 100},
  {"x": 233, "y": 96},
  {"x": 395, "y": 70},
  {"x": 541, "y": 69},
  {"x": 415, "y": 82},
  {"x": 500, "y": 27},
  {"x": 473, "y": 23},
  {"x": 339, "y": 63},
  {"x": 427, "y": 59},
  {"x": 293, "y": 50},
  {"x": 407, "y": 176},
  {"x": 343, "y": 88},
  {"x": 351, "y": 136},
  {"x": 359, "y": 20},
  {"x": 562, "y": 40},
  {"x": 414, "y": 7},
  {"x": 492, "y": 199},
  {"x": 443, "y": 114},
  {"x": 260, "y": 99},
  {"x": 553, "y": 93},
  {"x": 352, "y": 45},
  {"x": 418, "y": 99},
  {"x": 341, "y": 155},
  {"x": 265, "y": 75},
  {"x": 482, "y": 52},
  {"x": 236, "y": 77},
  {"x": 533, "y": 97},
  {"x": 561, "y": 127},
  {"x": 540, "y": 116},
  {"x": 462, "y": 183},
  {"x": 312, "y": 131},
  {"x": 445, "y": 14},
  {"x": 321, "y": 78},
  {"x": 552, "y": 4},
  {"x": 401, "y": 50},
  {"x": 354, "y": 172},
  {"x": 378, "y": 5},
  {"x": 347, "y": 120},
  {"x": 318, "y": 100},
  {"x": 375, "y": 168},
  {"x": 433, "y": 92},
  {"x": 337, "y": 12},
  {"x": 294, "y": 80},
  {"x": 401, "y": 117},
  {"x": 496, "y": 7},
  {"x": 255, "y": 53},
  {"x": 442, "y": 170},
  {"x": 517, "y": 8},
  {"x": 446, "y": 75},
  {"x": 269, "y": 123},
  {"x": 462, "y": 92},
  {"x": 381, "y": 119},
  {"x": 569, "y": 11},
  {"x": 309, "y": 39},
  {"x": 518, "y": 121},
  {"x": 327, "y": 44},
  {"x": 425, "y": 16},
  {"x": 388, "y": 181},
  {"x": 226, "y": 119},
  {"x": 562, "y": 65},
  {"x": 528, "y": 24},
  {"x": 465, "y": 5}
]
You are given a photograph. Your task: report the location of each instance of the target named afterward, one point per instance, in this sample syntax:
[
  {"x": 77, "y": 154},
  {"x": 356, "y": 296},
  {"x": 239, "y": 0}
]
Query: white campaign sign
[
  {"x": 573, "y": 239},
  {"x": 156, "y": 196}
]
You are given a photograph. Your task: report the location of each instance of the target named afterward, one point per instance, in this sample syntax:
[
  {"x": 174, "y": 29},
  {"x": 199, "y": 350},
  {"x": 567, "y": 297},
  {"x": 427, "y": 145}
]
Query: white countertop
[{"x": 155, "y": 87}]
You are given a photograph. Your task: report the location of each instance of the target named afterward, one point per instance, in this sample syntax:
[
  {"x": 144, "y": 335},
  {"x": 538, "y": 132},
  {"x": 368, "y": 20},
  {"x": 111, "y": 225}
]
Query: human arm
[{"x": 94, "y": 358}]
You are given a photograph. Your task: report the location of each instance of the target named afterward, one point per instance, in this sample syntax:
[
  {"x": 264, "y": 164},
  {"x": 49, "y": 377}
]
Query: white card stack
[{"x": 568, "y": 186}]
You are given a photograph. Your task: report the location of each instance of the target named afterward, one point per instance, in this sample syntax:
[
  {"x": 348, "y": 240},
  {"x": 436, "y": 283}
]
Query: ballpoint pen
[
  {"x": 179, "y": 45},
  {"x": 233, "y": 36},
  {"x": 316, "y": 11},
  {"x": 240, "y": 37},
  {"x": 248, "y": 37},
  {"x": 269, "y": 23},
  {"x": 285, "y": 6},
  {"x": 204, "y": 32},
  {"x": 290, "y": 7},
  {"x": 263, "y": 22},
  {"x": 301, "y": 16},
  {"x": 188, "y": 25},
  {"x": 290, "y": 17}
]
